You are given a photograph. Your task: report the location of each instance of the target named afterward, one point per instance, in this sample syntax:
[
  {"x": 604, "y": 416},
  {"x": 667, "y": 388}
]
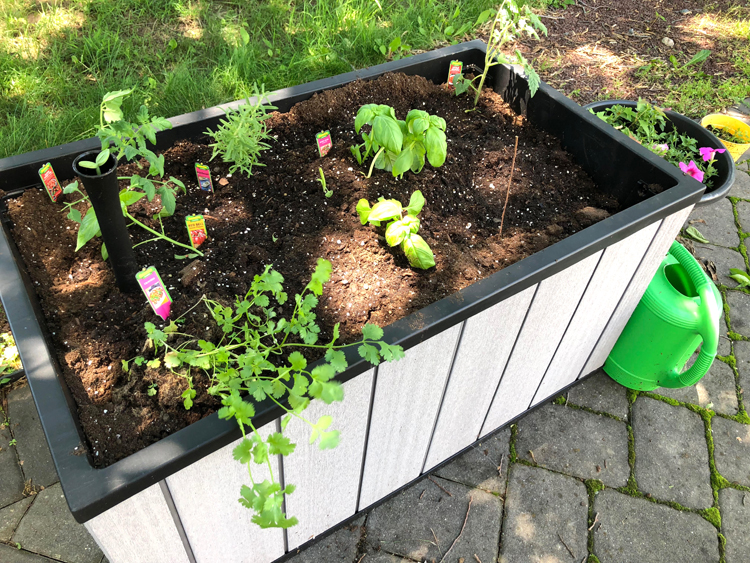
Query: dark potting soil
[{"x": 280, "y": 216}]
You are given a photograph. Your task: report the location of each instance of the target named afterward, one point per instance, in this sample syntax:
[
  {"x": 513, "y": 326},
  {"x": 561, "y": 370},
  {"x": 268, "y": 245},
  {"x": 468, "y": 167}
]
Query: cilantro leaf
[
  {"x": 243, "y": 451},
  {"x": 280, "y": 444},
  {"x": 372, "y": 332}
]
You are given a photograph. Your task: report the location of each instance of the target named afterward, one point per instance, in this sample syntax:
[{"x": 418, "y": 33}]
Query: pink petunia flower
[
  {"x": 692, "y": 170},
  {"x": 708, "y": 153},
  {"x": 663, "y": 147}
]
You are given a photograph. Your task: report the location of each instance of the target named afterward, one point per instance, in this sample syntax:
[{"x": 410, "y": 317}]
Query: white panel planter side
[
  {"x": 405, "y": 406},
  {"x": 139, "y": 530},
  {"x": 668, "y": 230},
  {"x": 327, "y": 481},
  {"x": 218, "y": 527},
  {"x": 483, "y": 351},
  {"x": 553, "y": 306},
  {"x": 611, "y": 279}
]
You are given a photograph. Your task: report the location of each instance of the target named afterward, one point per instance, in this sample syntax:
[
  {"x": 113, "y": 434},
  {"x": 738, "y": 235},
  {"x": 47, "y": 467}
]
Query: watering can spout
[{"x": 680, "y": 310}]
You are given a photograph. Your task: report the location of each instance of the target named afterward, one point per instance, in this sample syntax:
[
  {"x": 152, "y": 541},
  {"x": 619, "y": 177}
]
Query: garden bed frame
[{"x": 475, "y": 361}]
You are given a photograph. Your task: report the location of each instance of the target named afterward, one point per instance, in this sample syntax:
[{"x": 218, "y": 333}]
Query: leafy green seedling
[
  {"x": 13, "y": 442},
  {"x": 510, "y": 22},
  {"x": 101, "y": 159},
  {"x": 740, "y": 276},
  {"x": 695, "y": 234},
  {"x": 257, "y": 360},
  {"x": 322, "y": 180},
  {"x": 241, "y": 137},
  {"x": 400, "y": 145},
  {"x": 152, "y": 390},
  {"x": 401, "y": 229}
]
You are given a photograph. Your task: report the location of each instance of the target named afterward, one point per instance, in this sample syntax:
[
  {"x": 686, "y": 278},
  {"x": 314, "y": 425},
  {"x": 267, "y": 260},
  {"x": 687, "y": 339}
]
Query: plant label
[
  {"x": 204, "y": 177},
  {"x": 324, "y": 142},
  {"x": 50, "y": 181},
  {"x": 155, "y": 291},
  {"x": 196, "y": 227},
  {"x": 455, "y": 69}
]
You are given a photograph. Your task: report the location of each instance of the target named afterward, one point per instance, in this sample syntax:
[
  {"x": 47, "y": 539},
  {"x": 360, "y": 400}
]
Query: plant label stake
[
  {"x": 324, "y": 142},
  {"x": 204, "y": 177},
  {"x": 49, "y": 179},
  {"x": 455, "y": 69},
  {"x": 155, "y": 291},
  {"x": 196, "y": 227}
]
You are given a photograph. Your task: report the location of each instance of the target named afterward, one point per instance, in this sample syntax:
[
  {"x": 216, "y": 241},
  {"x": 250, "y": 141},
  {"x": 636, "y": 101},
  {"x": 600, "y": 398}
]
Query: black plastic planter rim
[
  {"x": 724, "y": 160},
  {"x": 92, "y": 491}
]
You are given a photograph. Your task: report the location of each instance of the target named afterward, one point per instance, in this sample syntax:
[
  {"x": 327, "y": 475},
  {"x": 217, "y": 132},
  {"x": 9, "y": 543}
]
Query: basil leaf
[
  {"x": 396, "y": 232},
  {"x": 403, "y": 162},
  {"x": 364, "y": 116},
  {"x": 384, "y": 210},
  {"x": 387, "y": 133},
  {"x": 88, "y": 229},
  {"x": 436, "y": 145},
  {"x": 363, "y": 209},
  {"x": 385, "y": 161},
  {"x": 438, "y": 122},
  {"x": 418, "y": 252},
  {"x": 416, "y": 203}
]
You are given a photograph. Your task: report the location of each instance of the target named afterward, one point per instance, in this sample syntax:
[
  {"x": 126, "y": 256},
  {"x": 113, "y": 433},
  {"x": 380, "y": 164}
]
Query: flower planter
[
  {"x": 724, "y": 163},
  {"x": 475, "y": 361}
]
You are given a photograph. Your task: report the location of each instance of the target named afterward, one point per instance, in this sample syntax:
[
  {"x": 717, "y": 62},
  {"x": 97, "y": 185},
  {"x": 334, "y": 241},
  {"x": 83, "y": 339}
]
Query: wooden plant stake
[{"x": 507, "y": 192}]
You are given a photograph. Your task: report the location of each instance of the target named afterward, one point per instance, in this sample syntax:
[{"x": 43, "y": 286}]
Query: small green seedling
[
  {"x": 152, "y": 390},
  {"x": 101, "y": 158},
  {"x": 322, "y": 180},
  {"x": 401, "y": 229},
  {"x": 740, "y": 276},
  {"x": 400, "y": 145}
]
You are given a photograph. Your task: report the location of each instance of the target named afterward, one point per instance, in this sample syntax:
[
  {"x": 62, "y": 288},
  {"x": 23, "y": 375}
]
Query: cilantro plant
[
  {"x": 401, "y": 229},
  {"x": 398, "y": 145},
  {"x": 650, "y": 126},
  {"x": 241, "y": 137},
  {"x": 122, "y": 138},
  {"x": 510, "y": 22},
  {"x": 258, "y": 356}
]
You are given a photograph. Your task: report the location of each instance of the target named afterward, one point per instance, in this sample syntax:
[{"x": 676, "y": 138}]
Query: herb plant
[
  {"x": 510, "y": 22},
  {"x": 322, "y": 180},
  {"x": 241, "y": 137},
  {"x": 258, "y": 356},
  {"x": 650, "y": 126},
  {"x": 398, "y": 145},
  {"x": 401, "y": 229},
  {"x": 725, "y": 135}
]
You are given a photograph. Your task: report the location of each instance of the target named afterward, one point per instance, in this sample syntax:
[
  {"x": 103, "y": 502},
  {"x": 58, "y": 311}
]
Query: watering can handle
[{"x": 707, "y": 328}]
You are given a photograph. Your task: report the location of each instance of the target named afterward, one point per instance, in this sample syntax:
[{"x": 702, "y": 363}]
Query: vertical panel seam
[
  {"x": 619, "y": 302},
  {"x": 167, "y": 494},
  {"x": 507, "y": 362},
  {"x": 367, "y": 437},
  {"x": 442, "y": 396},
  {"x": 565, "y": 332},
  {"x": 282, "y": 482}
]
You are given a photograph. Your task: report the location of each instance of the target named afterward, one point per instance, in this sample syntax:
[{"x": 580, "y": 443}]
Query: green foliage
[
  {"x": 248, "y": 367},
  {"x": 695, "y": 234},
  {"x": 511, "y": 21},
  {"x": 740, "y": 276},
  {"x": 650, "y": 126},
  {"x": 9, "y": 359},
  {"x": 241, "y": 137},
  {"x": 737, "y": 137},
  {"x": 400, "y": 230},
  {"x": 400, "y": 145},
  {"x": 322, "y": 180}
]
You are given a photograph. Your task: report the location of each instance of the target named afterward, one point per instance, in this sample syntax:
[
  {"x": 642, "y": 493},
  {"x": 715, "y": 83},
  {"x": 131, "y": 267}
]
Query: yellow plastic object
[{"x": 732, "y": 126}]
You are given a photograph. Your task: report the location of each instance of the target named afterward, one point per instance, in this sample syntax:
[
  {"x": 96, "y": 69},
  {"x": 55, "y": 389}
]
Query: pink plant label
[
  {"x": 155, "y": 291},
  {"x": 204, "y": 177},
  {"x": 324, "y": 142},
  {"x": 196, "y": 227},
  {"x": 455, "y": 69},
  {"x": 49, "y": 179}
]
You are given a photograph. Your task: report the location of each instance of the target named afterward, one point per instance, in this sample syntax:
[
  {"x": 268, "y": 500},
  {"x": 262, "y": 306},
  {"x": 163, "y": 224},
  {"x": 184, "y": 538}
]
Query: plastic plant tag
[
  {"x": 155, "y": 291},
  {"x": 50, "y": 181},
  {"x": 324, "y": 142},
  {"x": 204, "y": 177},
  {"x": 196, "y": 227},
  {"x": 455, "y": 69}
]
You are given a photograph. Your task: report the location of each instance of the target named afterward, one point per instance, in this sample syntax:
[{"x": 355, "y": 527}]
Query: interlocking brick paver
[
  {"x": 636, "y": 530},
  {"x": 717, "y": 388},
  {"x": 719, "y": 227},
  {"x": 723, "y": 259},
  {"x": 601, "y": 393},
  {"x": 742, "y": 355},
  {"x": 12, "y": 555},
  {"x": 32, "y": 446},
  {"x": 743, "y": 207},
  {"x": 11, "y": 483},
  {"x": 732, "y": 449},
  {"x": 48, "y": 528},
  {"x": 739, "y": 312},
  {"x": 671, "y": 453},
  {"x": 741, "y": 186},
  {"x": 541, "y": 508},
  {"x": 339, "y": 547},
  {"x": 11, "y": 515},
  {"x": 575, "y": 442},
  {"x": 478, "y": 466},
  {"x": 735, "y": 524},
  {"x": 405, "y": 524}
]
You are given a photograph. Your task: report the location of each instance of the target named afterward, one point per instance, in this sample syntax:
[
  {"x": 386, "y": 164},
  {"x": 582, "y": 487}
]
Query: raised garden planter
[{"x": 475, "y": 361}]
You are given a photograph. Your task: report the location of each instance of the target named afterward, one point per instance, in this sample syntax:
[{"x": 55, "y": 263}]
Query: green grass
[{"x": 58, "y": 59}]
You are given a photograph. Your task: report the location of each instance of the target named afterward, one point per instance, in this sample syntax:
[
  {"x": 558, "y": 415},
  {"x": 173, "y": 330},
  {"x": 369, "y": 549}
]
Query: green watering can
[{"x": 680, "y": 308}]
